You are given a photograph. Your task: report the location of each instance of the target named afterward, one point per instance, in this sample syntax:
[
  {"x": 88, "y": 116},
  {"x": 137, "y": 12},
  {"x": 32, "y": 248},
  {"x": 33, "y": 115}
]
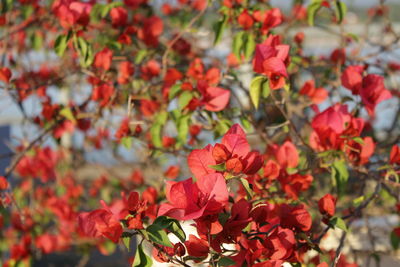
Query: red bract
[
  {"x": 100, "y": 222},
  {"x": 197, "y": 247},
  {"x": 3, "y": 183},
  {"x": 287, "y": 155},
  {"x": 327, "y": 205},
  {"x": 317, "y": 95},
  {"x": 238, "y": 220},
  {"x": 188, "y": 200},
  {"x": 125, "y": 72},
  {"x": 272, "y": 19},
  {"x": 152, "y": 28},
  {"x": 295, "y": 183},
  {"x": 234, "y": 151},
  {"x": 373, "y": 92},
  {"x": 103, "y": 93},
  {"x": 41, "y": 165},
  {"x": 280, "y": 244},
  {"x": 395, "y": 155},
  {"x": 245, "y": 19},
  {"x": 71, "y": 13},
  {"x": 333, "y": 127},
  {"x": 119, "y": 16},
  {"x": 200, "y": 160},
  {"x": 352, "y": 78},
  {"x": 5, "y": 74},
  {"x": 150, "y": 69},
  {"x": 269, "y": 59},
  {"x": 47, "y": 243},
  {"x": 214, "y": 98},
  {"x": 103, "y": 59}
]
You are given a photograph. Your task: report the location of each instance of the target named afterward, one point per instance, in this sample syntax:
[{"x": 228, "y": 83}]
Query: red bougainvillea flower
[
  {"x": 269, "y": 59},
  {"x": 395, "y": 155},
  {"x": 5, "y": 74},
  {"x": 3, "y": 183},
  {"x": 123, "y": 129},
  {"x": 172, "y": 172},
  {"x": 103, "y": 59},
  {"x": 234, "y": 151},
  {"x": 152, "y": 28},
  {"x": 371, "y": 88},
  {"x": 295, "y": 183},
  {"x": 280, "y": 244},
  {"x": 197, "y": 247},
  {"x": 200, "y": 160},
  {"x": 238, "y": 220},
  {"x": 352, "y": 78},
  {"x": 273, "y": 18},
  {"x": 373, "y": 92},
  {"x": 214, "y": 98},
  {"x": 149, "y": 107},
  {"x": 47, "y": 243},
  {"x": 100, "y": 222},
  {"x": 125, "y": 72},
  {"x": 317, "y": 95},
  {"x": 295, "y": 217},
  {"x": 287, "y": 155},
  {"x": 119, "y": 16},
  {"x": 188, "y": 200},
  {"x": 359, "y": 151},
  {"x": 327, "y": 205},
  {"x": 103, "y": 92},
  {"x": 71, "y": 13},
  {"x": 150, "y": 69},
  {"x": 245, "y": 20}
]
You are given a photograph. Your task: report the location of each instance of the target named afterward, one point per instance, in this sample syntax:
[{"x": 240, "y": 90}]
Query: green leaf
[
  {"x": 339, "y": 223},
  {"x": 357, "y": 202},
  {"x": 126, "y": 141},
  {"x": 246, "y": 123},
  {"x": 67, "y": 113},
  {"x": 246, "y": 186},
  {"x": 249, "y": 46},
  {"x": 359, "y": 140},
  {"x": 183, "y": 128},
  {"x": 140, "y": 56},
  {"x": 174, "y": 90},
  {"x": 226, "y": 261},
  {"x": 312, "y": 10},
  {"x": 184, "y": 99},
  {"x": 171, "y": 225},
  {"x": 6, "y": 5},
  {"x": 158, "y": 235},
  {"x": 219, "y": 28},
  {"x": 340, "y": 11},
  {"x": 60, "y": 45},
  {"x": 37, "y": 41},
  {"x": 219, "y": 167},
  {"x": 237, "y": 44},
  {"x": 155, "y": 132},
  {"x": 255, "y": 90},
  {"x": 141, "y": 259},
  {"x": 85, "y": 52},
  {"x": 340, "y": 174},
  {"x": 126, "y": 241},
  {"x": 394, "y": 240},
  {"x": 266, "y": 90},
  {"x": 161, "y": 118}
]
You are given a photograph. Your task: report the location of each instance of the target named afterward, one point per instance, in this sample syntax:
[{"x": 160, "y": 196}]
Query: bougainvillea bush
[{"x": 141, "y": 119}]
